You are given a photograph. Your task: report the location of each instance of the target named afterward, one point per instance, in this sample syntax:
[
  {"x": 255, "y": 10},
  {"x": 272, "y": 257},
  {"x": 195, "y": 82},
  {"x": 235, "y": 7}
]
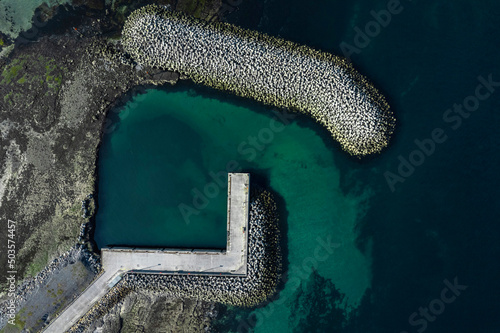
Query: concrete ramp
[{"x": 83, "y": 303}]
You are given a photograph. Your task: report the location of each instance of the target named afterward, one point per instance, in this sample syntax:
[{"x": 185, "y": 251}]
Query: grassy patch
[
  {"x": 7, "y": 97},
  {"x": 74, "y": 210},
  {"x": 17, "y": 327},
  {"x": 19, "y": 323},
  {"x": 39, "y": 262},
  {"x": 51, "y": 293},
  {"x": 49, "y": 66},
  {"x": 12, "y": 97},
  {"x": 53, "y": 75},
  {"x": 11, "y": 71},
  {"x": 53, "y": 72}
]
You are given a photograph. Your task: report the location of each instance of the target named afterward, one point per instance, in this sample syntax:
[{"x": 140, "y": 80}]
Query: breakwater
[
  {"x": 264, "y": 266},
  {"x": 265, "y": 68}
]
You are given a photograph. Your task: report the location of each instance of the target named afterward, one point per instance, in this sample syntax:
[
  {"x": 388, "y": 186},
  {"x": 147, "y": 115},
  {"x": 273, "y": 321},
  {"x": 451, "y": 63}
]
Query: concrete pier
[{"x": 117, "y": 261}]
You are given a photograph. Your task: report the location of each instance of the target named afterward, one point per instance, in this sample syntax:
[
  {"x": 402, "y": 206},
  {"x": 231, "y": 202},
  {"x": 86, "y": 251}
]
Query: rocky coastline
[
  {"x": 147, "y": 312},
  {"x": 56, "y": 88}
]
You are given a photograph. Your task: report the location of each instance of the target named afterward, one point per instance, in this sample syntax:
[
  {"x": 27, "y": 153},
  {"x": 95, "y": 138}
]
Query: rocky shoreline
[
  {"x": 56, "y": 89},
  {"x": 146, "y": 312},
  {"x": 50, "y": 148}
]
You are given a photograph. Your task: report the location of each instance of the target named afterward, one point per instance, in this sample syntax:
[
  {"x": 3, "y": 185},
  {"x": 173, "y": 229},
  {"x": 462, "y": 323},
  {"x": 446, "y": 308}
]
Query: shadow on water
[
  {"x": 110, "y": 124},
  {"x": 302, "y": 120}
]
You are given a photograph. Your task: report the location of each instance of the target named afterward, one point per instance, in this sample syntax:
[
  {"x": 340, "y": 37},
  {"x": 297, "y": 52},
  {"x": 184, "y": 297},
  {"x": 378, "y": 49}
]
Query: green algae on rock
[{"x": 268, "y": 69}]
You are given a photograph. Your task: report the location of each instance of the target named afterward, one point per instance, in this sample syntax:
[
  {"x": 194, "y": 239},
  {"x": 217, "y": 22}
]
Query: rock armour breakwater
[
  {"x": 268, "y": 69},
  {"x": 263, "y": 270}
]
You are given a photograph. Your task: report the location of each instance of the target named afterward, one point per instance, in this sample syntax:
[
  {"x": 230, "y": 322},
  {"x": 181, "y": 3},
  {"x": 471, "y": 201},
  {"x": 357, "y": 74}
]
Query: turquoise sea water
[
  {"x": 393, "y": 250},
  {"x": 151, "y": 163},
  {"x": 169, "y": 146}
]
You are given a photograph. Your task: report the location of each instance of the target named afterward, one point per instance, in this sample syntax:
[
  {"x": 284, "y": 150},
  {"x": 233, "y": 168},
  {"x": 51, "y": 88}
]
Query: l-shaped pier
[{"x": 117, "y": 261}]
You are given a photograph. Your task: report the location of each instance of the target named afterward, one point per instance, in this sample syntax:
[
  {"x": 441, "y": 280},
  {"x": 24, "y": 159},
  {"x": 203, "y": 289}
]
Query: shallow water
[{"x": 16, "y": 16}]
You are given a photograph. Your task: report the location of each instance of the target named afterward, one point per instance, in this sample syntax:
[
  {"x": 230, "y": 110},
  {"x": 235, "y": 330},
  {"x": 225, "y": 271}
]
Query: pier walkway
[{"x": 119, "y": 260}]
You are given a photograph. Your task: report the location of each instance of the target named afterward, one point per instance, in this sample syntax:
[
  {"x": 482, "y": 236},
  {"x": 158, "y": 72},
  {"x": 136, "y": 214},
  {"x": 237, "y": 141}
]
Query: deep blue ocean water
[{"x": 417, "y": 253}]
